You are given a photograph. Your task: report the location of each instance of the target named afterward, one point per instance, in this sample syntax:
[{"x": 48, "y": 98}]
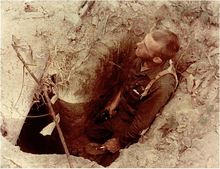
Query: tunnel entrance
[{"x": 33, "y": 138}]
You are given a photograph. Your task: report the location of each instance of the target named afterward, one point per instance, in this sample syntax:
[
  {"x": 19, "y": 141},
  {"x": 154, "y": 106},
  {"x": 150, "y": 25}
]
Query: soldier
[{"x": 150, "y": 84}]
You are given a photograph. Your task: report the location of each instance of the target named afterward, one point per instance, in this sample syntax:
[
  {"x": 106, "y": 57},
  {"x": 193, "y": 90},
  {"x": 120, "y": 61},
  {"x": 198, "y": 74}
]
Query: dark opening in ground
[{"x": 32, "y": 141}]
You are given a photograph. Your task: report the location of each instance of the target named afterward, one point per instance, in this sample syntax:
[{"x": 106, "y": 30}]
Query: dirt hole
[
  {"x": 31, "y": 139},
  {"x": 39, "y": 135}
]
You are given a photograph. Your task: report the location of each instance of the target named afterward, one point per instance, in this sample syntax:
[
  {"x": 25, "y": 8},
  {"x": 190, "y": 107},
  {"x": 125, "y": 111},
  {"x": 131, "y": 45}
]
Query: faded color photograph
[{"x": 117, "y": 84}]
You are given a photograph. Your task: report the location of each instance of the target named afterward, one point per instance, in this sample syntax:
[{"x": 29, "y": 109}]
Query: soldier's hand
[
  {"x": 112, "y": 145},
  {"x": 112, "y": 111}
]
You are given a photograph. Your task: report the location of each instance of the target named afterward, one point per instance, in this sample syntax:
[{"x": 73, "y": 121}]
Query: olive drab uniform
[{"x": 144, "y": 94}]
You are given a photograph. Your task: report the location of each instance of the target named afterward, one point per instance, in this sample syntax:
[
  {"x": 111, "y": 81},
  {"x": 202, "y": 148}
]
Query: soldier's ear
[{"x": 157, "y": 60}]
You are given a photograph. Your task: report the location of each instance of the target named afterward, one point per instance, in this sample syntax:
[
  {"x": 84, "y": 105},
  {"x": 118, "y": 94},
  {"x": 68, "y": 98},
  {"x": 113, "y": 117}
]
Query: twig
[
  {"x": 24, "y": 63},
  {"x": 17, "y": 165},
  {"x": 153, "y": 27},
  {"x": 107, "y": 60},
  {"x": 111, "y": 62},
  {"x": 22, "y": 85},
  {"x": 210, "y": 62},
  {"x": 58, "y": 126},
  {"x": 43, "y": 115},
  {"x": 49, "y": 105}
]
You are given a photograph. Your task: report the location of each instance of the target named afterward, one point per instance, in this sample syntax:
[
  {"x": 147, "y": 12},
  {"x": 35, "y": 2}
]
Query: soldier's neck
[{"x": 149, "y": 64}]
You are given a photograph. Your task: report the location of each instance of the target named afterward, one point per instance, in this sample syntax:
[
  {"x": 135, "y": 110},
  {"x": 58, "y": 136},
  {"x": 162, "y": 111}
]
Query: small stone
[
  {"x": 72, "y": 37},
  {"x": 217, "y": 131},
  {"x": 113, "y": 6},
  {"x": 95, "y": 21},
  {"x": 136, "y": 7},
  {"x": 74, "y": 19},
  {"x": 29, "y": 8}
]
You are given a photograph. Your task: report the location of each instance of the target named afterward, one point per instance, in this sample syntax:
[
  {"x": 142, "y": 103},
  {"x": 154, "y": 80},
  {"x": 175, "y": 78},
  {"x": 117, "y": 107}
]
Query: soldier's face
[{"x": 147, "y": 48}]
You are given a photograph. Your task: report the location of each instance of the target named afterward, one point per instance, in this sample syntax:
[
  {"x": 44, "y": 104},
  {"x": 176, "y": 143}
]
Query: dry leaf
[
  {"x": 169, "y": 126},
  {"x": 29, "y": 8},
  {"x": 214, "y": 52},
  {"x": 210, "y": 108},
  {"x": 211, "y": 97},
  {"x": 212, "y": 163},
  {"x": 197, "y": 83},
  {"x": 206, "y": 81},
  {"x": 24, "y": 49},
  {"x": 190, "y": 83}
]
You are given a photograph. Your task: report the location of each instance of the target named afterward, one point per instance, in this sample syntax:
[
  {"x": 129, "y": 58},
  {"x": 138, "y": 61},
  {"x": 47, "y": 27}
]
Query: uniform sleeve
[{"x": 156, "y": 99}]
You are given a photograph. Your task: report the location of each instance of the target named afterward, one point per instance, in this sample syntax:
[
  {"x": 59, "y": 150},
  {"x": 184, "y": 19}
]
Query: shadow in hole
[{"x": 32, "y": 141}]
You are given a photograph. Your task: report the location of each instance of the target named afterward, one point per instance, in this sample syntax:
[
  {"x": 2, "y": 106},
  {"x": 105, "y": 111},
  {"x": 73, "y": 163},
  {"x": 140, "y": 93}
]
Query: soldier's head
[{"x": 158, "y": 46}]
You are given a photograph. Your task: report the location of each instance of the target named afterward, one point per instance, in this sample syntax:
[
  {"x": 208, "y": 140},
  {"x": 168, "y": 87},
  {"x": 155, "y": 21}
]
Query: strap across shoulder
[{"x": 169, "y": 70}]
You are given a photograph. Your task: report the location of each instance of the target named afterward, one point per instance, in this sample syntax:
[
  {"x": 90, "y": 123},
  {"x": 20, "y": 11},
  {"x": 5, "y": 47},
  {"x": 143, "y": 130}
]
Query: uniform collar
[{"x": 151, "y": 73}]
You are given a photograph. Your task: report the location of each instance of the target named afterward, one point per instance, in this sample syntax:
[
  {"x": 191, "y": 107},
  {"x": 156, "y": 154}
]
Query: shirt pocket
[{"x": 135, "y": 94}]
